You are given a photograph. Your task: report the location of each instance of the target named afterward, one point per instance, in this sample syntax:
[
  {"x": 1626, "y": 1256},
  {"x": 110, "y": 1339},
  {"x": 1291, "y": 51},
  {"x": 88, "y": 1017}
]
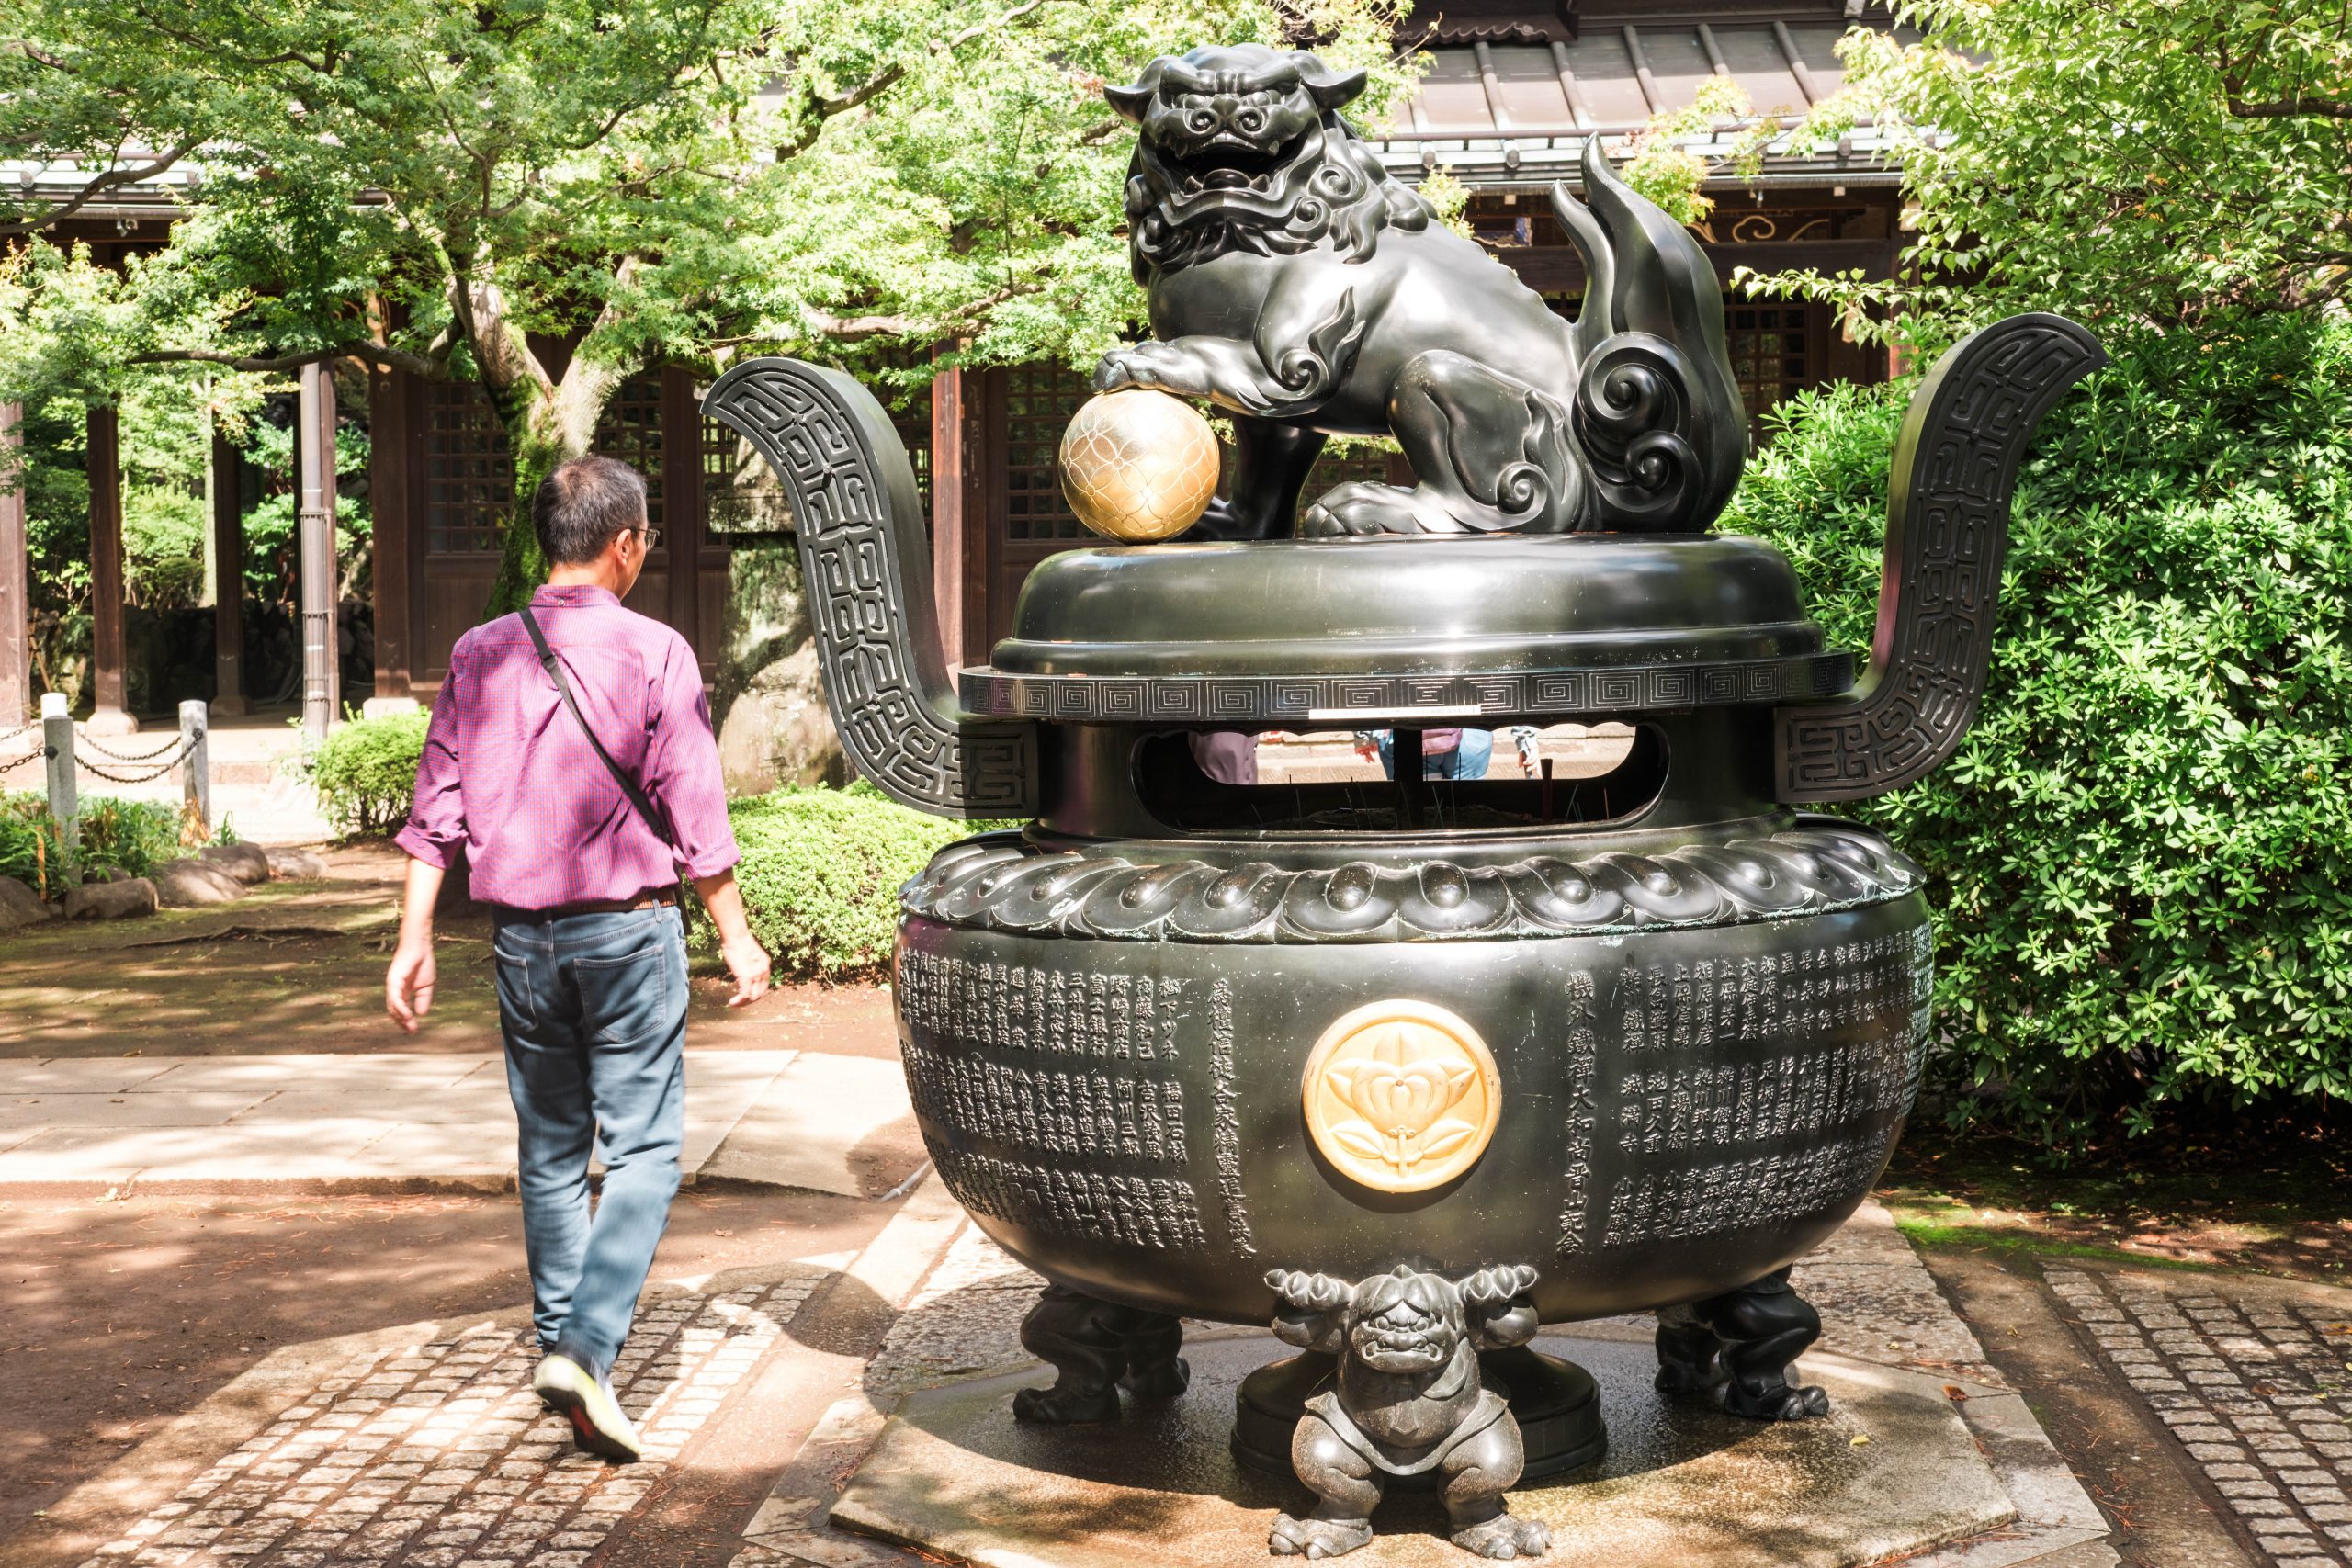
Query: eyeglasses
[{"x": 650, "y": 535}]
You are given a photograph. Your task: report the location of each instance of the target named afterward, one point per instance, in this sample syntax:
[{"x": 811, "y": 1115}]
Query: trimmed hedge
[
  {"x": 822, "y": 872},
  {"x": 2143, "y": 854},
  {"x": 365, "y": 772}
]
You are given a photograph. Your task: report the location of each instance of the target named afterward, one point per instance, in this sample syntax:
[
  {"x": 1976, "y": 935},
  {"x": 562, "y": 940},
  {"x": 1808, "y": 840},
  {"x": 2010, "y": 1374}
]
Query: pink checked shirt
[{"x": 507, "y": 773}]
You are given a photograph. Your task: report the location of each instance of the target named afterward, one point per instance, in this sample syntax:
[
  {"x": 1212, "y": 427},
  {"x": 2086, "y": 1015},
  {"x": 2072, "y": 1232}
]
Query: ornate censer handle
[
  {"x": 1947, "y": 529},
  {"x": 867, "y": 572}
]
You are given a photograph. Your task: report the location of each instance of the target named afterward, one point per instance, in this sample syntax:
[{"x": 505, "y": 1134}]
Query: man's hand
[
  {"x": 408, "y": 985},
  {"x": 746, "y": 959}
]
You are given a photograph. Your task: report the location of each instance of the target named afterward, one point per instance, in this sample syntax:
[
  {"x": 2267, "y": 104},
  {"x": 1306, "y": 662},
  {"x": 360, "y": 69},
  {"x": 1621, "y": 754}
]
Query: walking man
[{"x": 570, "y": 753}]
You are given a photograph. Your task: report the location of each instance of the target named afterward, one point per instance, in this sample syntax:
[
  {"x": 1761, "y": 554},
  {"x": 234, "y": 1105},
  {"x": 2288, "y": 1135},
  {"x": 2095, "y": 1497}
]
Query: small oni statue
[{"x": 1408, "y": 1401}]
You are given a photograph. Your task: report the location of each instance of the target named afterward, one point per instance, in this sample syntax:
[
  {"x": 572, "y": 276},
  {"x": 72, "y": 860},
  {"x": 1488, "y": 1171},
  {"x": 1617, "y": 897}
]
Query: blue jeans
[
  {"x": 1467, "y": 761},
  {"x": 593, "y": 1008}
]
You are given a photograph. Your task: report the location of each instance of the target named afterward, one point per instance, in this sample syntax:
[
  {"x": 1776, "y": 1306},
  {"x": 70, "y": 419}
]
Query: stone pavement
[
  {"x": 387, "y": 1119},
  {"x": 423, "y": 1445},
  {"x": 436, "y": 1453},
  {"x": 2252, "y": 1377}
]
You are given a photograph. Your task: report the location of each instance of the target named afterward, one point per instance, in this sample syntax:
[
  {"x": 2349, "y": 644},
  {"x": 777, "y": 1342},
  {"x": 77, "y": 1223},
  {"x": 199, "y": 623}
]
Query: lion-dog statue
[
  {"x": 1293, "y": 283},
  {"x": 1408, "y": 1399}
]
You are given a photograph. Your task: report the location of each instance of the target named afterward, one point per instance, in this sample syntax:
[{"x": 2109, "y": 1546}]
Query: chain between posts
[
  {"x": 163, "y": 760},
  {"x": 82, "y": 742}
]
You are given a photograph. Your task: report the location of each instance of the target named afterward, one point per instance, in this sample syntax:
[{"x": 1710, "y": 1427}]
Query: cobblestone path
[
  {"x": 439, "y": 1456},
  {"x": 2258, "y": 1391}
]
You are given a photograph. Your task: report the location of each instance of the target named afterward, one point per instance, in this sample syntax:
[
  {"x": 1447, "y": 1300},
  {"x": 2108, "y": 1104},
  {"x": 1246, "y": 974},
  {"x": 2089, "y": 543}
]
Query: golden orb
[{"x": 1138, "y": 464}]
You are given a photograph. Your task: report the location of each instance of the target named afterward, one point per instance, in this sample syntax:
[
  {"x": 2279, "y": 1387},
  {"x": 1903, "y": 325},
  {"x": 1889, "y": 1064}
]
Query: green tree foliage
[
  {"x": 449, "y": 186},
  {"x": 2143, "y": 167},
  {"x": 2140, "y": 851},
  {"x": 2143, "y": 852}
]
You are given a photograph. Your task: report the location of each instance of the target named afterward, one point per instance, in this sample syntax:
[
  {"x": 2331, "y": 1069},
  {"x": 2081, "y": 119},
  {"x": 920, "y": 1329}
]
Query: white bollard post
[
  {"x": 195, "y": 767},
  {"x": 65, "y": 803}
]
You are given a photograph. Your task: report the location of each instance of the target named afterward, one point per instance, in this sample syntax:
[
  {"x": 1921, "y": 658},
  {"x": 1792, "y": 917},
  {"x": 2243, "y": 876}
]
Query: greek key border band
[{"x": 1180, "y": 699}]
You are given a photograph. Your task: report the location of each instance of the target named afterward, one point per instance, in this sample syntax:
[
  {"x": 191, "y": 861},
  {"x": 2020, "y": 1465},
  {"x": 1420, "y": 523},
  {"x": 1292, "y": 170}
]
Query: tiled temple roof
[{"x": 1511, "y": 93}]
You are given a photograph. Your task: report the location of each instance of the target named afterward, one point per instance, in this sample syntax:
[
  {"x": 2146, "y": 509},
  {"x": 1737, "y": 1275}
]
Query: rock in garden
[
  {"x": 297, "y": 866},
  {"x": 249, "y": 864},
  {"x": 192, "y": 884},
  {"x": 20, "y": 906},
  {"x": 110, "y": 900}
]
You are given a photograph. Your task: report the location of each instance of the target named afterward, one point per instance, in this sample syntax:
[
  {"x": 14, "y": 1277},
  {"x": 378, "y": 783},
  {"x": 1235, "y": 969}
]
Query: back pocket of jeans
[{"x": 624, "y": 999}]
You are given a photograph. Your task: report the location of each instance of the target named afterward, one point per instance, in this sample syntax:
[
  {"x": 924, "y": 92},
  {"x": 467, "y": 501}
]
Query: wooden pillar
[
  {"x": 962, "y": 545},
  {"x": 228, "y": 580},
  {"x": 681, "y": 507},
  {"x": 108, "y": 652},
  {"x": 389, "y": 436},
  {"x": 15, "y": 580}
]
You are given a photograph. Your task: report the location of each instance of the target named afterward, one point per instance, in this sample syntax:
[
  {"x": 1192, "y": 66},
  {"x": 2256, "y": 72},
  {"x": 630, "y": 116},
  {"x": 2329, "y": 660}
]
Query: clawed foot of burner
[
  {"x": 1315, "y": 1539},
  {"x": 1504, "y": 1537},
  {"x": 1097, "y": 1348},
  {"x": 1785, "y": 1402},
  {"x": 1744, "y": 1342},
  {"x": 1160, "y": 1380},
  {"x": 1060, "y": 1406}
]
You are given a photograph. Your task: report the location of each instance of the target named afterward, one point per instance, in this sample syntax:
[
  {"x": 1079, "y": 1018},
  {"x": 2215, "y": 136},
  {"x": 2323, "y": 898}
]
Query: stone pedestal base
[
  {"x": 388, "y": 707},
  {"x": 110, "y": 721},
  {"x": 1899, "y": 1469}
]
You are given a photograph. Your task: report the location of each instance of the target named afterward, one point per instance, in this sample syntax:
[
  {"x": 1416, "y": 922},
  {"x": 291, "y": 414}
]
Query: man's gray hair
[{"x": 581, "y": 504}]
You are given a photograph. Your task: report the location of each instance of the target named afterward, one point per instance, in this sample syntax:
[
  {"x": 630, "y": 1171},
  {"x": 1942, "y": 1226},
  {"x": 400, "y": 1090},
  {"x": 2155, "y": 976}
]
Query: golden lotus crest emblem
[{"x": 1401, "y": 1096}]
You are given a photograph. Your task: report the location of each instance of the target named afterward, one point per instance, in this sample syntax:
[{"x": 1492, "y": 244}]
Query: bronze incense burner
[{"x": 1407, "y": 1069}]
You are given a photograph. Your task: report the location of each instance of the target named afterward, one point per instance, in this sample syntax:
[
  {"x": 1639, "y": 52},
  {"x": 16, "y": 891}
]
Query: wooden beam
[
  {"x": 682, "y": 504},
  {"x": 108, "y": 652},
  {"x": 961, "y": 547},
  {"x": 229, "y": 579},
  {"x": 16, "y": 578},
  {"x": 392, "y": 507}
]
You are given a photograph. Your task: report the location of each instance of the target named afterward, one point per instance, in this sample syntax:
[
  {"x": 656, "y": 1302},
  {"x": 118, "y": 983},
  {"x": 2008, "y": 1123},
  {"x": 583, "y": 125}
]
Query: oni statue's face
[
  {"x": 1404, "y": 1323},
  {"x": 1226, "y": 120}
]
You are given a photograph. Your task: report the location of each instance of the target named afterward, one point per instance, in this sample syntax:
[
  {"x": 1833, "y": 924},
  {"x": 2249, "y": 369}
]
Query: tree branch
[
  {"x": 852, "y": 328},
  {"x": 375, "y": 353},
  {"x": 112, "y": 179},
  {"x": 821, "y": 108},
  {"x": 2290, "y": 108}
]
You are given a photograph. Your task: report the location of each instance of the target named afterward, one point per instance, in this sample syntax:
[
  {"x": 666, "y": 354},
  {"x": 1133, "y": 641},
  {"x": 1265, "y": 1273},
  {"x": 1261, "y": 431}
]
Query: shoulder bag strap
[{"x": 651, "y": 814}]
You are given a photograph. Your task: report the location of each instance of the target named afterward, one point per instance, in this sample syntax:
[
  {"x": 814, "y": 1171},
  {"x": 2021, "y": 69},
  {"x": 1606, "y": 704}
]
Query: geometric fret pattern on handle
[
  {"x": 1947, "y": 529},
  {"x": 867, "y": 567}
]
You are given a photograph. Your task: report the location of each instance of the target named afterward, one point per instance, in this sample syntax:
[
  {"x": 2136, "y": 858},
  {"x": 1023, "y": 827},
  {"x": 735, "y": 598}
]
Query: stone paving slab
[
  {"x": 422, "y": 1445},
  {"x": 387, "y": 1117},
  {"x": 822, "y": 1108},
  {"x": 2253, "y": 1380},
  {"x": 434, "y": 1453}
]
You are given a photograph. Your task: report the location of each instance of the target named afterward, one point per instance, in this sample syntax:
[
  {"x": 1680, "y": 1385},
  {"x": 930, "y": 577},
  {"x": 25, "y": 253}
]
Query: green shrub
[
  {"x": 118, "y": 837},
  {"x": 28, "y": 843},
  {"x": 2141, "y": 852},
  {"x": 822, "y": 872},
  {"x": 366, "y": 772}
]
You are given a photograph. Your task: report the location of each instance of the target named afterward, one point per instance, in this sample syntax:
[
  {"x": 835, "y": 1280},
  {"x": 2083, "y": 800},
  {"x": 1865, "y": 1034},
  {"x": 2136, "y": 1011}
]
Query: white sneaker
[{"x": 598, "y": 1425}]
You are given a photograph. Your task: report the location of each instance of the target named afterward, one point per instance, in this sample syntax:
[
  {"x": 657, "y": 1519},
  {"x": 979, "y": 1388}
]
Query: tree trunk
[{"x": 542, "y": 423}]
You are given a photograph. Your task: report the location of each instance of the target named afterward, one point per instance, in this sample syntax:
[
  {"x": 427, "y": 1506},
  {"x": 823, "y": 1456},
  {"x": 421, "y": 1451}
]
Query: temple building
[{"x": 1512, "y": 91}]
